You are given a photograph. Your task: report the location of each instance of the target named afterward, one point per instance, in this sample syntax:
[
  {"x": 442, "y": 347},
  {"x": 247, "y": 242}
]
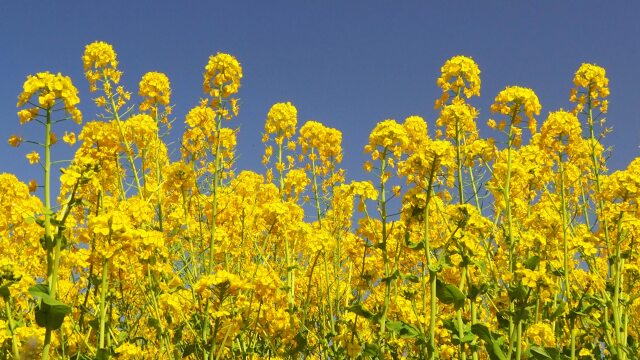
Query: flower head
[
  {"x": 222, "y": 75},
  {"x": 156, "y": 90},
  {"x": 458, "y": 117},
  {"x": 512, "y": 102},
  {"x": 49, "y": 88},
  {"x": 560, "y": 133},
  {"x": 100, "y": 62},
  {"x": 281, "y": 120},
  {"x": 459, "y": 74},
  {"x": 591, "y": 85}
]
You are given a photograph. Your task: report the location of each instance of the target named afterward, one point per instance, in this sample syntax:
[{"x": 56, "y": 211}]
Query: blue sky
[{"x": 348, "y": 64}]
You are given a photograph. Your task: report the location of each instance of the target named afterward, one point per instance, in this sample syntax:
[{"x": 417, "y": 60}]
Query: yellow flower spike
[
  {"x": 49, "y": 88},
  {"x": 222, "y": 76},
  {"x": 156, "y": 90},
  {"x": 461, "y": 113},
  {"x": 100, "y": 62},
  {"x": 459, "y": 74},
  {"x": 513, "y": 102},
  {"x": 281, "y": 120},
  {"x": 561, "y": 133},
  {"x": 591, "y": 85}
]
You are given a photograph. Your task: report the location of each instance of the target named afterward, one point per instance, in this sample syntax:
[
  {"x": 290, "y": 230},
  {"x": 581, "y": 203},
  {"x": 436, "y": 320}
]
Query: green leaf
[
  {"x": 103, "y": 354},
  {"x": 517, "y": 293},
  {"x": 539, "y": 353},
  {"x": 370, "y": 350},
  {"x": 532, "y": 262},
  {"x": 467, "y": 338},
  {"x": 396, "y": 274},
  {"x": 358, "y": 309},
  {"x": 491, "y": 344},
  {"x": 415, "y": 246},
  {"x": 154, "y": 323},
  {"x": 558, "y": 311},
  {"x": 482, "y": 332},
  {"x": 411, "y": 277},
  {"x": 474, "y": 290},
  {"x": 449, "y": 294},
  {"x": 4, "y": 291},
  {"x": 51, "y": 312},
  {"x": 39, "y": 290},
  {"x": 403, "y": 329}
]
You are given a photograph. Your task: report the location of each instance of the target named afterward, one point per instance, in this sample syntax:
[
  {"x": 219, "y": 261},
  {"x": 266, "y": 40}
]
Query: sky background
[{"x": 348, "y": 64}]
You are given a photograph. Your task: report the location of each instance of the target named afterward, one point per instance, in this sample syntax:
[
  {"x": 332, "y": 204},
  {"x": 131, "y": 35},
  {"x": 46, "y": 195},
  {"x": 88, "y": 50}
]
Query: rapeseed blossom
[{"x": 451, "y": 246}]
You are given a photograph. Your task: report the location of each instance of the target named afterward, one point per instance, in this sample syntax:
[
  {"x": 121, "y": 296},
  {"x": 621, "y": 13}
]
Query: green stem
[
  {"x": 507, "y": 200},
  {"x": 12, "y": 328},
  {"x": 383, "y": 218},
  {"x": 214, "y": 205},
  {"x": 567, "y": 286},
  {"x": 103, "y": 304},
  {"x": 52, "y": 249}
]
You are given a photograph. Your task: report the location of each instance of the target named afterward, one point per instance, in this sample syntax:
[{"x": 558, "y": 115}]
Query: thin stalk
[
  {"x": 103, "y": 305},
  {"x": 567, "y": 286},
  {"x": 382, "y": 207},
  {"x": 12, "y": 327},
  {"x": 433, "y": 351},
  {"x": 52, "y": 273},
  {"x": 507, "y": 199}
]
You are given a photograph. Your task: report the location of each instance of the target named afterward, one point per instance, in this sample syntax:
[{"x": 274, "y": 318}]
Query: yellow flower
[
  {"x": 33, "y": 157},
  {"x": 282, "y": 120},
  {"x": 27, "y": 115},
  {"x": 541, "y": 334},
  {"x": 49, "y": 88},
  {"x": 561, "y": 133},
  {"x": 387, "y": 137},
  {"x": 458, "y": 118},
  {"x": 100, "y": 63},
  {"x": 33, "y": 186},
  {"x": 459, "y": 74},
  {"x": 456, "y": 259},
  {"x": 512, "y": 102},
  {"x": 222, "y": 75},
  {"x": 155, "y": 89},
  {"x": 69, "y": 138},
  {"x": 129, "y": 351},
  {"x": 15, "y": 140},
  {"x": 591, "y": 85}
]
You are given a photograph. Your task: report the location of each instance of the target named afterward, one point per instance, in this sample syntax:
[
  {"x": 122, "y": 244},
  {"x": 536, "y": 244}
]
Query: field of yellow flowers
[{"x": 521, "y": 245}]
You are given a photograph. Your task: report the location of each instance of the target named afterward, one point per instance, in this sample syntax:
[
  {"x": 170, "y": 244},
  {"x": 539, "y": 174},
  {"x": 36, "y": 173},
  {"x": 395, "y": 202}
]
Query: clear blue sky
[{"x": 348, "y": 64}]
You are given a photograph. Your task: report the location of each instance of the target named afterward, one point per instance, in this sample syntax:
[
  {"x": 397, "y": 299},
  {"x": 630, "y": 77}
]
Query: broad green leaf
[
  {"x": 361, "y": 311},
  {"x": 491, "y": 344},
  {"x": 402, "y": 329},
  {"x": 539, "y": 352},
  {"x": 532, "y": 262},
  {"x": 449, "y": 294}
]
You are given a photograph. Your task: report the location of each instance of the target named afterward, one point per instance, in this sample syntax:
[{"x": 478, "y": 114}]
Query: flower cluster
[
  {"x": 156, "y": 91},
  {"x": 49, "y": 88},
  {"x": 222, "y": 76},
  {"x": 592, "y": 86},
  {"x": 460, "y": 74},
  {"x": 455, "y": 247},
  {"x": 100, "y": 64}
]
